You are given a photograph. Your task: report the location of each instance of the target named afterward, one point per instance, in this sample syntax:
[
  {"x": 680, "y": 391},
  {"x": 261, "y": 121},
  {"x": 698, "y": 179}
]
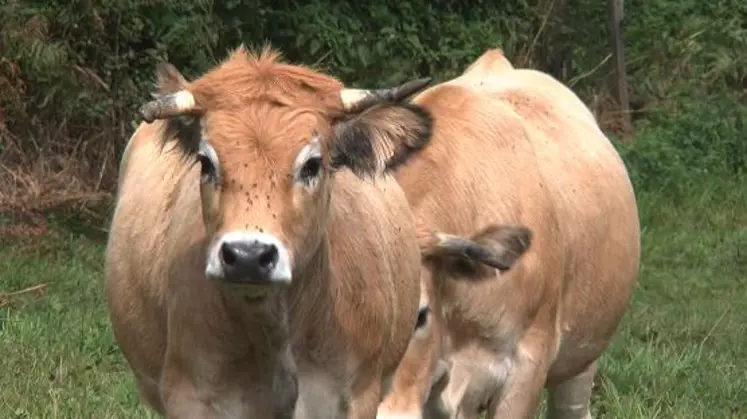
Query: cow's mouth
[{"x": 249, "y": 290}]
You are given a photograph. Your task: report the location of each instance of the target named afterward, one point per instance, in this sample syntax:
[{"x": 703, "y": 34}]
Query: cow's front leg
[
  {"x": 367, "y": 395},
  {"x": 521, "y": 395},
  {"x": 571, "y": 398},
  {"x": 522, "y": 392}
]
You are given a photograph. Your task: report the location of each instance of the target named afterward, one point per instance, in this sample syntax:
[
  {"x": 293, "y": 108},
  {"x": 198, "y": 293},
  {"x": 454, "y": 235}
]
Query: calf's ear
[
  {"x": 495, "y": 246},
  {"x": 380, "y": 139}
]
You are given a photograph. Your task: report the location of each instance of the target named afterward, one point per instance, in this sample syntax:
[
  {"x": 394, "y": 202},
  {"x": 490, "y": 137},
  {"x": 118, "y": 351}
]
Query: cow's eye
[
  {"x": 208, "y": 163},
  {"x": 207, "y": 167},
  {"x": 308, "y": 164},
  {"x": 422, "y": 317},
  {"x": 311, "y": 168}
]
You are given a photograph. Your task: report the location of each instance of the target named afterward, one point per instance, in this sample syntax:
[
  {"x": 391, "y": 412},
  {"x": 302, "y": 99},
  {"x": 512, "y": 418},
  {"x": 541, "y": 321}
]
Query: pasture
[
  {"x": 680, "y": 352},
  {"x": 69, "y": 84}
]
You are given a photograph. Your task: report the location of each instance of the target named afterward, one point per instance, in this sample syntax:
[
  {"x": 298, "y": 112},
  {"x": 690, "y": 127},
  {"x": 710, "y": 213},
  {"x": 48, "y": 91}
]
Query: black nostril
[
  {"x": 228, "y": 254},
  {"x": 250, "y": 260},
  {"x": 268, "y": 256}
]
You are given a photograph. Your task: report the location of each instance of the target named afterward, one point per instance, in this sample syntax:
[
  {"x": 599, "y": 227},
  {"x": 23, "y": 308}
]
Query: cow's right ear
[
  {"x": 381, "y": 138},
  {"x": 495, "y": 246}
]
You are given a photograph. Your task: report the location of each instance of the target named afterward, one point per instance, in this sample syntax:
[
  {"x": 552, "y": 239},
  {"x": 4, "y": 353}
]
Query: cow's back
[{"x": 595, "y": 207}]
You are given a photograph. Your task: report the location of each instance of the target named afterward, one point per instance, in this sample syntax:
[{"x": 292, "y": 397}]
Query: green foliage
[
  {"x": 77, "y": 69},
  {"x": 386, "y": 42},
  {"x": 688, "y": 42},
  {"x": 84, "y": 65},
  {"x": 72, "y": 73},
  {"x": 703, "y": 138}
]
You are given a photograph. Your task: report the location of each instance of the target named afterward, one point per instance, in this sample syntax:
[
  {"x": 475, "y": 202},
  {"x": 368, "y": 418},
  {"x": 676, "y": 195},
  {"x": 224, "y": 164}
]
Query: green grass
[
  {"x": 681, "y": 351},
  {"x": 58, "y": 358}
]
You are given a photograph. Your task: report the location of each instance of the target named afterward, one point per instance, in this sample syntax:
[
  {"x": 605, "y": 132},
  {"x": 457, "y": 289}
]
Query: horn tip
[
  {"x": 422, "y": 82},
  {"x": 147, "y": 112},
  {"x": 411, "y": 87}
]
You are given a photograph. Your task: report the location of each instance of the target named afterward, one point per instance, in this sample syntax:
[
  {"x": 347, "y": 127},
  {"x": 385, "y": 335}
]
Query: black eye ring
[
  {"x": 311, "y": 168},
  {"x": 206, "y": 165}
]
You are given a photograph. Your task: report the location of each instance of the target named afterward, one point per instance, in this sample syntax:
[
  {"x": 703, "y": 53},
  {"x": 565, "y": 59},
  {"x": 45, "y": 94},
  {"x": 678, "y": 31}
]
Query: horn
[
  {"x": 166, "y": 106},
  {"x": 357, "y": 100}
]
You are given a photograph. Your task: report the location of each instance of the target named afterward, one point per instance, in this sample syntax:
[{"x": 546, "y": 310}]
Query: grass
[
  {"x": 58, "y": 356},
  {"x": 681, "y": 351}
]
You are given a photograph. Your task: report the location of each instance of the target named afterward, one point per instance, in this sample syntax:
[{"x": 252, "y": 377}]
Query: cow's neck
[
  {"x": 311, "y": 279},
  {"x": 264, "y": 322},
  {"x": 311, "y": 301},
  {"x": 268, "y": 348}
]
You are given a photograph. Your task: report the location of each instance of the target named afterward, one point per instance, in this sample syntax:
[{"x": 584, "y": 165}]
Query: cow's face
[
  {"x": 267, "y": 138},
  {"x": 423, "y": 376},
  {"x": 421, "y": 372}
]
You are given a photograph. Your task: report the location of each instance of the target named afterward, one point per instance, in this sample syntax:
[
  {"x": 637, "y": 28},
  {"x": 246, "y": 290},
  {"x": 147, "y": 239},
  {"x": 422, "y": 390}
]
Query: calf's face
[
  {"x": 423, "y": 374},
  {"x": 268, "y": 138},
  {"x": 421, "y": 371}
]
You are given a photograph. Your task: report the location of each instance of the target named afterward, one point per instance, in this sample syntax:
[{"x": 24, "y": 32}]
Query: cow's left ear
[
  {"x": 495, "y": 246},
  {"x": 381, "y": 138}
]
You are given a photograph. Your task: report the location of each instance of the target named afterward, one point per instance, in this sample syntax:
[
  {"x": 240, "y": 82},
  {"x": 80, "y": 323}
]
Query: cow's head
[
  {"x": 423, "y": 385},
  {"x": 421, "y": 371},
  {"x": 268, "y": 138}
]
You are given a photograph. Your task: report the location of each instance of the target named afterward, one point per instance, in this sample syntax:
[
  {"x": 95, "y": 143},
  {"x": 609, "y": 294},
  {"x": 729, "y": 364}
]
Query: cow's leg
[
  {"x": 571, "y": 398},
  {"x": 522, "y": 391},
  {"x": 521, "y": 395},
  {"x": 367, "y": 395},
  {"x": 457, "y": 399}
]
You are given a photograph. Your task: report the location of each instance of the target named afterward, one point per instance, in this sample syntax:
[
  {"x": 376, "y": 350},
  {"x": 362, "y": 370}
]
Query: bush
[
  {"x": 72, "y": 72},
  {"x": 701, "y": 139}
]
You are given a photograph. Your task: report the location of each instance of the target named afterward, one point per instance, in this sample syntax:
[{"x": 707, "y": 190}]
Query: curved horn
[
  {"x": 166, "y": 106},
  {"x": 357, "y": 100}
]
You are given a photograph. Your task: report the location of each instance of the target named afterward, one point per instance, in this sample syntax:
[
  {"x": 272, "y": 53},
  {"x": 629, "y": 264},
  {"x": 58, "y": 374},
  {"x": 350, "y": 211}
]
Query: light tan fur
[
  {"x": 200, "y": 348},
  {"x": 516, "y": 146}
]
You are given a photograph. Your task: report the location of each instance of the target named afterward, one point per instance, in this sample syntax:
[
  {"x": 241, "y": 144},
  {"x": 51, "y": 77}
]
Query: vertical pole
[{"x": 620, "y": 87}]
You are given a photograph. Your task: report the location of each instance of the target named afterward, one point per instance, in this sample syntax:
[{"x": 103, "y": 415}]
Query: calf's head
[
  {"x": 268, "y": 138},
  {"x": 424, "y": 372}
]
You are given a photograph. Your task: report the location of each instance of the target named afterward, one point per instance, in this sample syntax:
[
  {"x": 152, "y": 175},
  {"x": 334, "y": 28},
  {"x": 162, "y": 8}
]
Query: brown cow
[
  {"x": 516, "y": 146},
  {"x": 250, "y": 272}
]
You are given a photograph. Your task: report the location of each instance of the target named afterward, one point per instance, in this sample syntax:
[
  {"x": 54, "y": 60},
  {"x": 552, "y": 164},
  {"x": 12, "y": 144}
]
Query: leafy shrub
[
  {"x": 702, "y": 139},
  {"x": 72, "y": 72}
]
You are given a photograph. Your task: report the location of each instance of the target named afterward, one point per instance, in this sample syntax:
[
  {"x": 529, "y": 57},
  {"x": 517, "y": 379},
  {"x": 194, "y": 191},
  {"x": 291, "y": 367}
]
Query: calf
[
  {"x": 516, "y": 146},
  {"x": 250, "y": 271}
]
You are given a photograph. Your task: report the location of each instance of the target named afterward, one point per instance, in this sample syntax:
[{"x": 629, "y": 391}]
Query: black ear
[
  {"x": 496, "y": 246},
  {"x": 380, "y": 139}
]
